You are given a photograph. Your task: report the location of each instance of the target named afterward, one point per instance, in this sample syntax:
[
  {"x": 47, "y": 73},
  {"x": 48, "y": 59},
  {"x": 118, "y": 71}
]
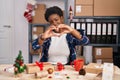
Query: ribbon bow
[{"x": 40, "y": 65}]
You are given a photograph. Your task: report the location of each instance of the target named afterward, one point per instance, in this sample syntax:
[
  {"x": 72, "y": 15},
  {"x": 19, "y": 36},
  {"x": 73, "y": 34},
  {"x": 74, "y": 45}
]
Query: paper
[
  {"x": 78, "y": 9},
  {"x": 107, "y": 71},
  {"x": 98, "y": 52}
]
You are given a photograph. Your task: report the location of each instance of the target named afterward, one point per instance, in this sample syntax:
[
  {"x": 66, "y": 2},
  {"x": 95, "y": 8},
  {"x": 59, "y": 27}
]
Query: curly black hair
[{"x": 53, "y": 10}]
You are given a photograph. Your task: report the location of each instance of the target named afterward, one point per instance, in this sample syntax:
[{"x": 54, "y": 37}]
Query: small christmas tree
[{"x": 19, "y": 64}]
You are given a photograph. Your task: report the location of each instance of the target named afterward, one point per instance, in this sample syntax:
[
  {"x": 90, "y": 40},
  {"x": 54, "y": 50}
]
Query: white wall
[
  {"x": 50, "y": 3},
  {"x": 21, "y": 29}
]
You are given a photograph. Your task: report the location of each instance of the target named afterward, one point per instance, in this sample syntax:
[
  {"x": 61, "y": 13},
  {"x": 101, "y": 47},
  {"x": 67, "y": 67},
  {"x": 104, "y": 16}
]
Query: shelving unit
[{"x": 102, "y": 20}]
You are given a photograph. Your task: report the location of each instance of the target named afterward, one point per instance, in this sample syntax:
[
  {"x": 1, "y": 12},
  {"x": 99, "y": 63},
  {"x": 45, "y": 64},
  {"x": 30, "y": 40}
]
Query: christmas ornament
[
  {"x": 50, "y": 70},
  {"x": 50, "y": 77},
  {"x": 60, "y": 66},
  {"x": 82, "y": 72},
  {"x": 68, "y": 77},
  {"x": 19, "y": 65}
]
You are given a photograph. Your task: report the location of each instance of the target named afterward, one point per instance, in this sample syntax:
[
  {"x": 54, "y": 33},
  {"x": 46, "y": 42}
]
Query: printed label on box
[
  {"x": 78, "y": 9},
  {"x": 34, "y": 29},
  {"x": 99, "y": 61},
  {"x": 33, "y": 13},
  {"x": 98, "y": 52}
]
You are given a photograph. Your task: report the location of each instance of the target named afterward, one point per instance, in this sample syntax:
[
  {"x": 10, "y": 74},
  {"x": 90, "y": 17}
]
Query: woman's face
[{"x": 55, "y": 19}]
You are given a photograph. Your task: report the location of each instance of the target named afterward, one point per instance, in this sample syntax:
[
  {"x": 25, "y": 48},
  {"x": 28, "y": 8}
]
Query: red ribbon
[{"x": 40, "y": 65}]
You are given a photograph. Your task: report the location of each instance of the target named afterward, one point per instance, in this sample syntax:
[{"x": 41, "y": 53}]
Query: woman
[{"x": 59, "y": 40}]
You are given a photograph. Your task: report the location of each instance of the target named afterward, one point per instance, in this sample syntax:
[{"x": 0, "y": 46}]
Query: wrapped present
[
  {"x": 33, "y": 68},
  {"x": 94, "y": 68}
]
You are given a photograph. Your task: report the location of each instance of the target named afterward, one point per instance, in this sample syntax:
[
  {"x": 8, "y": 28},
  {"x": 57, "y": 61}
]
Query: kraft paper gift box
[{"x": 33, "y": 68}]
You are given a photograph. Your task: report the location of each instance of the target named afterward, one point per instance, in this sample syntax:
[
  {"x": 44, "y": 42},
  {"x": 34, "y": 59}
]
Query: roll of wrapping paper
[{"x": 41, "y": 74}]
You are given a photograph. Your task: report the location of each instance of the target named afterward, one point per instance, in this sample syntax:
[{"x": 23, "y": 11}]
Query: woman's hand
[
  {"x": 63, "y": 29},
  {"x": 50, "y": 32},
  {"x": 59, "y": 30},
  {"x": 67, "y": 29}
]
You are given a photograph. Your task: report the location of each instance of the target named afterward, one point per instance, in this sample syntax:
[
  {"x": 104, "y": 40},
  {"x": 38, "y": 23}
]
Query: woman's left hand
[{"x": 63, "y": 29}]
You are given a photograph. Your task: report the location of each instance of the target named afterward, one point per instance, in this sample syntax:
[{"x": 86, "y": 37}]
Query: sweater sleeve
[
  {"x": 35, "y": 44},
  {"x": 83, "y": 41}
]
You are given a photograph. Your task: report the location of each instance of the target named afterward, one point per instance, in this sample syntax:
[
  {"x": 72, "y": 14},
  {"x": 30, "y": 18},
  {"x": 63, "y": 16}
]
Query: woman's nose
[{"x": 55, "y": 23}]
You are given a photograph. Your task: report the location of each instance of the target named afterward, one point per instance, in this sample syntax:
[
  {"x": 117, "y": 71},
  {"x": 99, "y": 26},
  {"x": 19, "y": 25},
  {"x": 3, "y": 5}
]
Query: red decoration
[
  {"x": 29, "y": 7},
  {"x": 60, "y": 66},
  {"x": 28, "y": 12},
  {"x": 78, "y": 64},
  {"x": 28, "y": 16},
  {"x": 40, "y": 65}
]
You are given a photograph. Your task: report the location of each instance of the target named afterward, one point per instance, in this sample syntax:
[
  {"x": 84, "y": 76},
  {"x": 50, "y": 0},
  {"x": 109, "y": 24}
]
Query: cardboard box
[
  {"x": 102, "y": 52},
  {"x": 94, "y": 68},
  {"x": 41, "y": 6},
  {"x": 84, "y": 2},
  {"x": 103, "y": 60},
  {"x": 37, "y": 30},
  {"x": 106, "y": 7},
  {"x": 81, "y": 10},
  {"x": 39, "y": 15}
]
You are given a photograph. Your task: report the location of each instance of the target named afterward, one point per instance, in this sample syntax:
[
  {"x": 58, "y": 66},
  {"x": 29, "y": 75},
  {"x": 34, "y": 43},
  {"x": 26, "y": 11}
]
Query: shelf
[
  {"x": 39, "y": 25},
  {"x": 97, "y": 17},
  {"x": 103, "y": 45}
]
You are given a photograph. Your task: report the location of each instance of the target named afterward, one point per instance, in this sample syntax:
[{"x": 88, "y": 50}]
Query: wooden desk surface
[{"x": 61, "y": 75}]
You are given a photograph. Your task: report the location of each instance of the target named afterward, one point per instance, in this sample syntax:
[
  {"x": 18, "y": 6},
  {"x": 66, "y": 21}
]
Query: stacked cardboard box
[
  {"x": 93, "y": 68},
  {"x": 102, "y": 54},
  {"x": 97, "y": 8},
  {"x": 39, "y": 14},
  {"x": 83, "y": 8},
  {"x": 106, "y": 7}
]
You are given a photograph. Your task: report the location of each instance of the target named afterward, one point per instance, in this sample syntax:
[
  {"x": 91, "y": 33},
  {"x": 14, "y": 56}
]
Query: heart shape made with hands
[{"x": 57, "y": 32}]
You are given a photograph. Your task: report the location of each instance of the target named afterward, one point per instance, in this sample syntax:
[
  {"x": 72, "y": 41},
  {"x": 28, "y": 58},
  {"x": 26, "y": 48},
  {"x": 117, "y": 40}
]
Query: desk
[{"x": 61, "y": 75}]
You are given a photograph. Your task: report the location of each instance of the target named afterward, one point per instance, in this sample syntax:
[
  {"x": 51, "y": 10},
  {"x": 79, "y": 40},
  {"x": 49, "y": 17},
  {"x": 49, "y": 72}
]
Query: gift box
[
  {"x": 33, "y": 68},
  {"x": 94, "y": 68}
]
